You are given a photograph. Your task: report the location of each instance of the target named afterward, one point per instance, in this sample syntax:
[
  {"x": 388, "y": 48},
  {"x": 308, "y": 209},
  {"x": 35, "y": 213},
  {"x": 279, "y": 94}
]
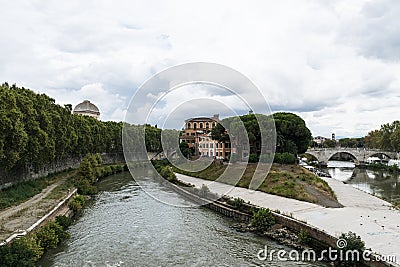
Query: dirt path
[
  {"x": 30, "y": 202},
  {"x": 25, "y": 214}
]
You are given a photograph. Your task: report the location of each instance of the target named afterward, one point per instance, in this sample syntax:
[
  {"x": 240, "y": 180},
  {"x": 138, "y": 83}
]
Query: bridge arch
[
  {"x": 372, "y": 154},
  {"x": 352, "y": 156},
  {"x": 360, "y": 154}
]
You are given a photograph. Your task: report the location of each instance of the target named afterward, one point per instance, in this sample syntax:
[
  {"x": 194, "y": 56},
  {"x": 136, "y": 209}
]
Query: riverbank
[
  {"x": 26, "y": 209},
  {"x": 363, "y": 214},
  {"x": 286, "y": 180},
  {"x": 24, "y": 222}
]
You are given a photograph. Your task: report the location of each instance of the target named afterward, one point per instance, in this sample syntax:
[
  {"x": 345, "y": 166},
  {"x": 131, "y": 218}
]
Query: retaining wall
[
  {"x": 29, "y": 173},
  {"x": 321, "y": 239}
]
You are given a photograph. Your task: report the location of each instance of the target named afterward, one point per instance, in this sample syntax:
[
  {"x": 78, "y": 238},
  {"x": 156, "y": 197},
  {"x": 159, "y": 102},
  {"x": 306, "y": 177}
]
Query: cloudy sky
[{"x": 335, "y": 63}]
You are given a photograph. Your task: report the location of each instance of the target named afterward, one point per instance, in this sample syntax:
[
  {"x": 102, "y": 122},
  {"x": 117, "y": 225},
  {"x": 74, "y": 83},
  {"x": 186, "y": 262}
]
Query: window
[
  {"x": 211, "y": 145},
  {"x": 207, "y": 125},
  {"x": 201, "y": 125},
  {"x": 195, "y": 126},
  {"x": 188, "y": 126}
]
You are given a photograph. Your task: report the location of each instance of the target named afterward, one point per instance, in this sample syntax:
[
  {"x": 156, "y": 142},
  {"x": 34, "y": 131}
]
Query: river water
[
  {"x": 377, "y": 182},
  {"x": 123, "y": 226}
]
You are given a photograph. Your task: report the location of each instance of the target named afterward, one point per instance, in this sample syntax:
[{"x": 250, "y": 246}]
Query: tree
[
  {"x": 294, "y": 131},
  {"x": 329, "y": 143},
  {"x": 48, "y": 237},
  {"x": 219, "y": 133},
  {"x": 186, "y": 151}
]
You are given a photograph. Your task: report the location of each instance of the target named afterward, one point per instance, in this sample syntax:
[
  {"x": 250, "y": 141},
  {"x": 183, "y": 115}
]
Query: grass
[
  {"x": 22, "y": 191},
  {"x": 60, "y": 190},
  {"x": 289, "y": 181}
]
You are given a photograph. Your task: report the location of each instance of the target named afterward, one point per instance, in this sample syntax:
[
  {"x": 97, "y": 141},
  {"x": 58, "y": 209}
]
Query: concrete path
[{"x": 373, "y": 219}]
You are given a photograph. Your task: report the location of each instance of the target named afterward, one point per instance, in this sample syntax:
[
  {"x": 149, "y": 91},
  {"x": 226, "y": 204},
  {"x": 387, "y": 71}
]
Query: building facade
[
  {"x": 87, "y": 109},
  {"x": 197, "y": 134}
]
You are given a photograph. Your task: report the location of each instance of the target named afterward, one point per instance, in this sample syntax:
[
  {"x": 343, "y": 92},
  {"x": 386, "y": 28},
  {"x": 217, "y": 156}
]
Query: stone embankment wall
[
  {"x": 320, "y": 239},
  {"x": 29, "y": 173}
]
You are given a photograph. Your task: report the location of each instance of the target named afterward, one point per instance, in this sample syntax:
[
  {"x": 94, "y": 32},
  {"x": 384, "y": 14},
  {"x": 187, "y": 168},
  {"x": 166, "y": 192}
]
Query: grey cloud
[{"x": 376, "y": 32}]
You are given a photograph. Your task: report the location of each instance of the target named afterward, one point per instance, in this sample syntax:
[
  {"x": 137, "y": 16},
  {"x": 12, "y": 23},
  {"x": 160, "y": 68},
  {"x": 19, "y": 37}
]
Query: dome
[{"x": 87, "y": 108}]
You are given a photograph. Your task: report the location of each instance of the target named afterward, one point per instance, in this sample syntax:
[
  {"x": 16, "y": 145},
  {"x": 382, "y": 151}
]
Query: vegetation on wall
[{"x": 263, "y": 220}]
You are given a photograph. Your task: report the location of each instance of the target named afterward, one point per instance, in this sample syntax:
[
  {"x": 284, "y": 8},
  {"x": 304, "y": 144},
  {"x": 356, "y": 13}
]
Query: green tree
[
  {"x": 21, "y": 252},
  {"x": 329, "y": 143},
  {"x": 294, "y": 132},
  {"x": 186, "y": 151}
]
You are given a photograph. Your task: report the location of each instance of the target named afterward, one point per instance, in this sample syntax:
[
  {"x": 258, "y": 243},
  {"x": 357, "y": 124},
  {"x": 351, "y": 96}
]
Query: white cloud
[{"x": 335, "y": 63}]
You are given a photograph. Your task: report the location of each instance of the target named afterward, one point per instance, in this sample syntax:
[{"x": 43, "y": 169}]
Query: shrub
[
  {"x": 59, "y": 230},
  {"x": 106, "y": 171},
  {"x": 168, "y": 174},
  {"x": 22, "y": 252},
  {"x": 47, "y": 237},
  {"x": 285, "y": 158},
  {"x": 263, "y": 220},
  {"x": 354, "y": 242},
  {"x": 64, "y": 221},
  {"x": 76, "y": 203},
  {"x": 238, "y": 203},
  {"x": 303, "y": 237},
  {"x": 253, "y": 158},
  {"x": 85, "y": 188}
]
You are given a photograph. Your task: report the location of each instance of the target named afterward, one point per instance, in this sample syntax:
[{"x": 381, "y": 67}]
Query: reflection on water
[
  {"x": 378, "y": 182},
  {"x": 124, "y": 226}
]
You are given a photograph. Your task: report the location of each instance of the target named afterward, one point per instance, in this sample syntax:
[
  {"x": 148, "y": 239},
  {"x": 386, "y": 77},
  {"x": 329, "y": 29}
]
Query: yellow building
[{"x": 197, "y": 134}]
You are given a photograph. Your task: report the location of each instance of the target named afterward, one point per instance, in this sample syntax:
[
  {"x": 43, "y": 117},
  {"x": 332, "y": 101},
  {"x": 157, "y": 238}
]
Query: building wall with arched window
[{"x": 197, "y": 134}]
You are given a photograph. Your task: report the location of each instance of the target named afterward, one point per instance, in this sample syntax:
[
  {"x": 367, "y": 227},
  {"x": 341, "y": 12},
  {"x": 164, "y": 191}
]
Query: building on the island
[
  {"x": 197, "y": 134},
  {"x": 319, "y": 140},
  {"x": 212, "y": 148},
  {"x": 87, "y": 109},
  {"x": 196, "y": 127}
]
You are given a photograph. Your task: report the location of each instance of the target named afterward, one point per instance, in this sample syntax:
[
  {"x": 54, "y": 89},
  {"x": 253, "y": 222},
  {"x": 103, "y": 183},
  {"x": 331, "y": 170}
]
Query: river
[
  {"x": 123, "y": 226},
  {"x": 377, "y": 182}
]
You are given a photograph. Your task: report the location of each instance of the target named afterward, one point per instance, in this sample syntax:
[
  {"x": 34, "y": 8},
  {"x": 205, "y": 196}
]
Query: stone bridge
[{"x": 359, "y": 154}]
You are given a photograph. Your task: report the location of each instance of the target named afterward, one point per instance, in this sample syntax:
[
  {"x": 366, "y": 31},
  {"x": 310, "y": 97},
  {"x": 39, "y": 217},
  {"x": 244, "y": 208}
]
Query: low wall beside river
[
  {"x": 8, "y": 178},
  {"x": 321, "y": 240}
]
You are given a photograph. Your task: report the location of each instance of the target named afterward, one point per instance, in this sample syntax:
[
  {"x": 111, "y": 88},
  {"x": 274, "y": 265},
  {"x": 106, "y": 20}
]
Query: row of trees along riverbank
[
  {"x": 386, "y": 138},
  {"x": 35, "y": 131}
]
